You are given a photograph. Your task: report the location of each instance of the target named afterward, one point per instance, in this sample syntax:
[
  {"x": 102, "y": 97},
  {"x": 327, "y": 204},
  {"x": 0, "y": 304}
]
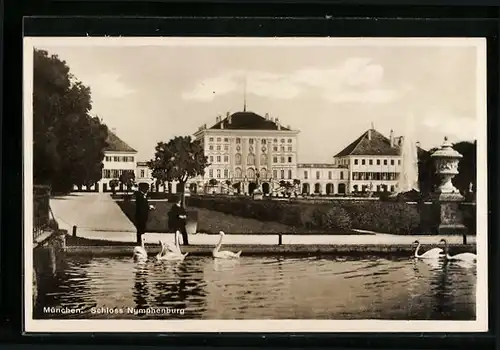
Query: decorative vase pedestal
[
  {"x": 258, "y": 194},
  {"x": 447, "y": 198}
]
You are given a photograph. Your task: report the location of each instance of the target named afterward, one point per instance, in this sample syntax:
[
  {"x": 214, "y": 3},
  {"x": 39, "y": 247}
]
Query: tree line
[{"x": 68, "y": 143}]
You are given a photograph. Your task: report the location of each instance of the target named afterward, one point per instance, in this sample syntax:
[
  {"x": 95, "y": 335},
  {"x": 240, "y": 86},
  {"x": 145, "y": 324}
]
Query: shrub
[{"x": 328, "y": 215}]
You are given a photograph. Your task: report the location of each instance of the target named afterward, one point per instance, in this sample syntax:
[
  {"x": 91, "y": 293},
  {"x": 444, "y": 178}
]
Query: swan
[
  {"x": 224, "y": 254},
  {"x": 140, "y": 253},
  {"x": 167, "y": 254},
  {"x": 464, "y": 257},
  {"x": 433, "y": 253}
]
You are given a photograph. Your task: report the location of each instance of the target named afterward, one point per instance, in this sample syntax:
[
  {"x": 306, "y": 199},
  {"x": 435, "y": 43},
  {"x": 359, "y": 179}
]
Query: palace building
[{"x": 243, "y": 147}]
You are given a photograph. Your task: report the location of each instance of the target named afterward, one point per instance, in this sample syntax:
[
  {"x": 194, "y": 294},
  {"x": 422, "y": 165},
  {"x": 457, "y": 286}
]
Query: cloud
[
  {"x": 108, "y": 85},
  {"x": 356, "y": 80},
  {"x": 453, "y": 126}
]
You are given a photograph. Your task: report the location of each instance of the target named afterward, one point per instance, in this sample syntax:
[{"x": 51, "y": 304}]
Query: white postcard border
[{"x": 173, "y": 326}]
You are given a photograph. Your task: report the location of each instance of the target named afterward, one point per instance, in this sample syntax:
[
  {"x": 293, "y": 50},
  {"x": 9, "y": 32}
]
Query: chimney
[
  {"x": 266, "y": 116},
  {"x": 204, "y": 126},
  {"x": 113, "y": 130},
  {"x": 391, "y": 138},
  {"x": 222, "y": 124},
  {"x": 229, "y": 118},
  {"x": 369, "y": 134},
  {"x": 400, "y": 141},
  {"x": 288, "y": 127},
  {"x": 417, "y": 144}
]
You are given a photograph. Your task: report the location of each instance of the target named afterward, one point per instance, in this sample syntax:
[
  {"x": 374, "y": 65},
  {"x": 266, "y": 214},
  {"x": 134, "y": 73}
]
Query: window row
[
  {"x": 250, "y": 174},
  {"x": 375, "y": 176},
  {"x": 119, "y": 159},
  {"x": 226, "y": 148},
  {"x": 377, "y": 161},
  {"x": 112, "y": 173},
  {"x": 318, "y": 175},
  {"x": 250, "y": 141}
]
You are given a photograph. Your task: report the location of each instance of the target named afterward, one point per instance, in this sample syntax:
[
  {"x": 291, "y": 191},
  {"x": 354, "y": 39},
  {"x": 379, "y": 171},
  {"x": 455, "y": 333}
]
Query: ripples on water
[{"x": 265, "y": 288}]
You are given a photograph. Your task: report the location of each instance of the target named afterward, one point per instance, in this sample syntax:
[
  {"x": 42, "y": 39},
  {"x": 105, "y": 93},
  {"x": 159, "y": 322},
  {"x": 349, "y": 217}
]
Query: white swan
[
  {"x": 464, "y": 257},
  {"x": 433, "y": 253},
  {"x": 167, "y": 254},
  {"x": 224, "y": 254},
  {"x": 140, "y": 253}
]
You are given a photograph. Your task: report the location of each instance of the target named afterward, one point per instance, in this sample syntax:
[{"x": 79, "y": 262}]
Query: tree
[
  {"x": 179, "y": 160},
  {"x": 114, "y": 184},
  {"x": 466, "y": 166},
  {"x": 127, "y": 178},
  {"x": 68, "y": 144},
  {"x": 213, "y": 182}
]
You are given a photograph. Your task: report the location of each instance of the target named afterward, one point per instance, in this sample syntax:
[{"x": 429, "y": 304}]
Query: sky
[{"x": 331, "y": 93}]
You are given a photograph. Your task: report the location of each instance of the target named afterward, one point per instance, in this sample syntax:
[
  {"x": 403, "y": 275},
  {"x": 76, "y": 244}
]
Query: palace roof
[
  {"x": 115, "y": 144},
  {"x": 376, "y": 145},
  {"x": 249, "y": 121}
]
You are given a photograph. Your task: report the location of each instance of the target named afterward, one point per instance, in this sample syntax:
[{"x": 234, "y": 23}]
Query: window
[
  {"x": 370, "y": 162},
  {"x": 317, "y": 175},
  {"x": 392, "y": 188},
  {"x": 275, "y": 149},
  {"x": 263, "y": 141},
  {"x": 218, "y": 139},
  {"x": 392, "y": 161},
  {"x": 329, "y": 175},
  {"x": 237, "y": 159},
  {"x": 289, "y": 174},
  {"x": 305, "y": 175},
  {"x": 289, "y": 148},
  {"x": 378, "y": 161},
  {"x": 226, "y": 139},
  {"x": 251, "y": 159},
  {"x": 211, "y": 159},
  {"x": 341, "y": 175},
  {"x": 282, "y": 159},
  {"x": 211, "y": 147},
  {"x": 211, "y": 173},
  {"x": 275, "y": 159},
  {"x": 218, "y": 147},
  {"x": 218, "y": 173},
  {"x": 355, "y": 162},
  {"x": 289, "y": 159},
  {"x": 282, "y": 148},
  {"x": 226, "y": 147},
  {"x": 250, "y": 141},
  {"x": 282, "y": 173},
  {"x": 143, "y": 173},
  {"x": 282, "y": 140},
  {"x": 275, "y": 174},
  {"x": 237, "y": 173},
  {"x": 238, "y": 140},
  {"x": 362, "y": 162},
  {"x": 399, "y": 161},
  {"x": 107, "y": 174},
  {"x": 218, "y": 159},
  {"x": 226, "y": 172},
  {"x": 385, "y": 161},
  {"x": 226, "y": 159},
  {"x": 211, "y": 139},
  {"x": 275, "y": 140},
  {"x": 263, "y": 159},
  {"x": 116, "y": 159},
  {"x": 289, "y": 140}
]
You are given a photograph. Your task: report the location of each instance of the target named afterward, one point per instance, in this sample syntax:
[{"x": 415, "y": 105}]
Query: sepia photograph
[{"x": 216, "y": 184}]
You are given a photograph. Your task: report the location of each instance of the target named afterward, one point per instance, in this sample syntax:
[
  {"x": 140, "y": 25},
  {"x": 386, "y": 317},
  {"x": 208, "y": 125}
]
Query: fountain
[
  {"x": 257, "y": 193},
  {"x": 446, "y": 197}
]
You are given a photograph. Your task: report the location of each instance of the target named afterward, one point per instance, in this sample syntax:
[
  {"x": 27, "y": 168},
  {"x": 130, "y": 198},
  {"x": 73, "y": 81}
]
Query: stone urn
[
  {"x": 447, "y": 198},
  {"x": 446, "y": 160}
]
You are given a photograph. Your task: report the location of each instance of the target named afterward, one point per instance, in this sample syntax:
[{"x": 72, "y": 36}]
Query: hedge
[{"x": 387, "y": 217}]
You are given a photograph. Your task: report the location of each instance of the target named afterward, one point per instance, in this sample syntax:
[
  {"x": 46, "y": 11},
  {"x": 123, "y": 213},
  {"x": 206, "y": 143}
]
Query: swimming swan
[
  {"x": 433, "y": 253},
  {"x": 465, "y": 257},
  {"x": 224, "y": 254},
  {"x": 167, "y": 254},
  {"x": 140, "y": 253}
]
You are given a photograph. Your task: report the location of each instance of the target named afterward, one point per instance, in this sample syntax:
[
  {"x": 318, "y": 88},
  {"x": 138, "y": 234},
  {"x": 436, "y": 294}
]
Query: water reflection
[{"x": 270, "y": 288}]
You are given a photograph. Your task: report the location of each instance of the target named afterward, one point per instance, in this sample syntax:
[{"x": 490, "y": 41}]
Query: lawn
[{"x": 210, "y": 221}]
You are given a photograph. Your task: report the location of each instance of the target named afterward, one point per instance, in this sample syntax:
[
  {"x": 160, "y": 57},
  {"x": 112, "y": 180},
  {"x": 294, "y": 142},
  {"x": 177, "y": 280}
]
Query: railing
[{"x": 41, "y": 210}]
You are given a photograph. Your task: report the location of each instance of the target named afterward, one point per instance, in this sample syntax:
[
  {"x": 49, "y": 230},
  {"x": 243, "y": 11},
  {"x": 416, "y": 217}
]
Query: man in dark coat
[
  {"x": 177, "y": 220},
  {"x": 142, "y": 209}
]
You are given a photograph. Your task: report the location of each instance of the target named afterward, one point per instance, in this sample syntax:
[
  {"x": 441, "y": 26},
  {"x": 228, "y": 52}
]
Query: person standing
[
  {"x": 177, "y": 220},
  {"x": 142, "y": 209}
]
